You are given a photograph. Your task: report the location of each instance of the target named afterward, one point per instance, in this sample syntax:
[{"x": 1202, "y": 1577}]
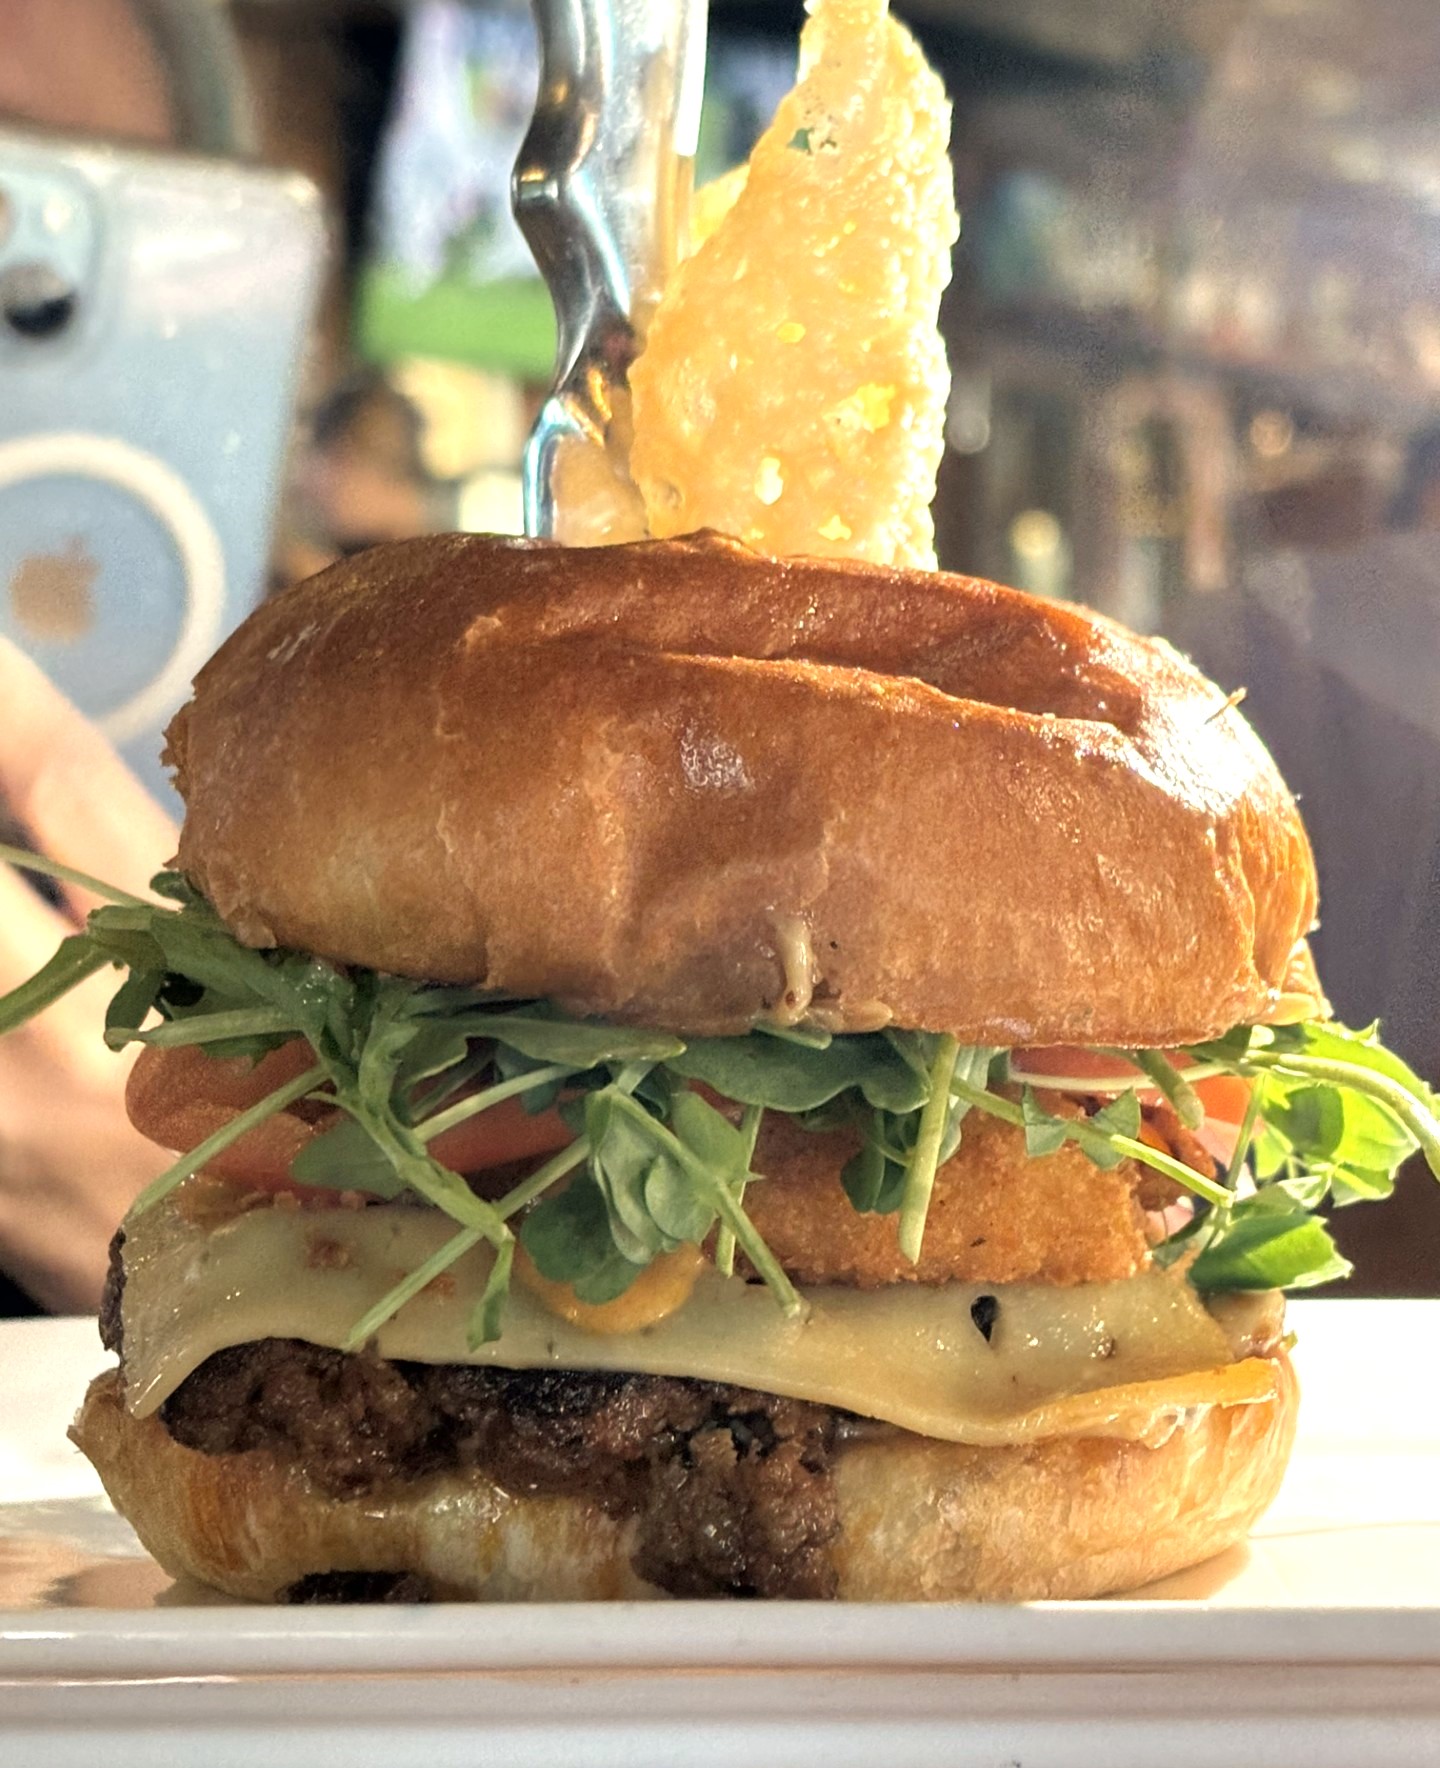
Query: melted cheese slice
[{"x": 1118, "y": 1359}]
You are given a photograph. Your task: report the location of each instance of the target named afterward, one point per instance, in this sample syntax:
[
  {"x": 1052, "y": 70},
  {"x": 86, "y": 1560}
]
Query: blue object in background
[{"x": 142, "y": 431}]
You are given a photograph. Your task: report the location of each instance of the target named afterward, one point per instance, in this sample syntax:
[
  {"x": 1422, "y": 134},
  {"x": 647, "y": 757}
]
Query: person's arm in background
[
  {"x": 69, "y": 1161},
  {"x": 82, "y": 65}
]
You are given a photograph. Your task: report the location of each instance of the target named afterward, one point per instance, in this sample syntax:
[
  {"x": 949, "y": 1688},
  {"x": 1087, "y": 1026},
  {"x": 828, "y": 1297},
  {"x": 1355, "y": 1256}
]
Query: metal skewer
[{"x": 601, "y": 191}]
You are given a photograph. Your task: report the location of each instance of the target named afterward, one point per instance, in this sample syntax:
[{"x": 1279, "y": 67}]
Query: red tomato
[
  {"x": 1226, "y": 1097},
  {"x": 495, "y": 1137},
  {"x": 1067, "y": 1062},
  {"x": 179, "y": 1097}
]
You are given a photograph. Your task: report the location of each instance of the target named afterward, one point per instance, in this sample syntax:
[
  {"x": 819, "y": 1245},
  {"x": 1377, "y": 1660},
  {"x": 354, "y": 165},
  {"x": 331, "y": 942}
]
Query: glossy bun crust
[
  {"x": 681, "y": 784},
  {"x": 919, "y": 1520}
]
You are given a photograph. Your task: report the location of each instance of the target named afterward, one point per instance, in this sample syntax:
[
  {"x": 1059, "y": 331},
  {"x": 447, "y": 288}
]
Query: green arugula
[
  {"x": 654, "y": 1164},
  {"x": 783, "y": 1074}
]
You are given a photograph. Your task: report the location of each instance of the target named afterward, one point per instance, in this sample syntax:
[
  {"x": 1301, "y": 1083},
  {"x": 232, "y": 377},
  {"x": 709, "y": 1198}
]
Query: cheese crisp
[{"x": 792, "y": 387}]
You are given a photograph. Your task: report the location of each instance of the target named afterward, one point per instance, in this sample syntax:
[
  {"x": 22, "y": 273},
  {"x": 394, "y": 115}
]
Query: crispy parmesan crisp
[{"x": 792, "y": 387}]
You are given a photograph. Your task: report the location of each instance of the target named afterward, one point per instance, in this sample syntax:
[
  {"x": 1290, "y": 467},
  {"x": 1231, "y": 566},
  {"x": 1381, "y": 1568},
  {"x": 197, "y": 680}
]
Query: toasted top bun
[{"x": 678, "y": 783}]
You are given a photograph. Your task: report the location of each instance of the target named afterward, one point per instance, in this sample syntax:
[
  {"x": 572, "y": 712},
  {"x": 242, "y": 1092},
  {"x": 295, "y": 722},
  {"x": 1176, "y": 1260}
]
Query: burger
[{"x": 702, "y": 1075}]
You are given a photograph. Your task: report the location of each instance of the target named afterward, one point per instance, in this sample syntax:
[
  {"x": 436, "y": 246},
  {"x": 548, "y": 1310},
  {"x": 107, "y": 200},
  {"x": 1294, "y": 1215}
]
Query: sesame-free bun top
[{"x": 681, "y": 784}]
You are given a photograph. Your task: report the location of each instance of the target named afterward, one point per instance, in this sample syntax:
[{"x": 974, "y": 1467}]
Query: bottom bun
[{"x": 919, "y": 1519}]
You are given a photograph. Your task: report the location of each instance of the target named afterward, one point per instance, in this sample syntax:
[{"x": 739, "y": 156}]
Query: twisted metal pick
[{"x": 601, "y": 192}]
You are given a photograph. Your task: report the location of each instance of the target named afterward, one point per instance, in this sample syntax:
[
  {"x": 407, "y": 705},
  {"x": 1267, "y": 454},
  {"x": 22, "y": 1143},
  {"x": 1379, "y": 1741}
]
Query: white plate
[{"x": 1319, "y": 1642}]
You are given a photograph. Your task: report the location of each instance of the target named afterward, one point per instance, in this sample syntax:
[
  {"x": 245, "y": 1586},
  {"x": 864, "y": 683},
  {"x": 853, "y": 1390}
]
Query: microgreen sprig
[
  {"x": 1107, "y": 1146},
  {"x": 653, "y": 1164},
  {"x": 920, "y": 1176},
  {"x": 46, "y": 867}
]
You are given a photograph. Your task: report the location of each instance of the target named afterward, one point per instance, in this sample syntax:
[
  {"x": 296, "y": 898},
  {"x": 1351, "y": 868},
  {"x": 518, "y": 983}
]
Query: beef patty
[{"x": 730, "y": 1489}]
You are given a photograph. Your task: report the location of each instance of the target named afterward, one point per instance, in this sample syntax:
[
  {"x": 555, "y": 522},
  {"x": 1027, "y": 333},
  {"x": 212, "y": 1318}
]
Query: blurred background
[{"x": 1194, "y": 332}]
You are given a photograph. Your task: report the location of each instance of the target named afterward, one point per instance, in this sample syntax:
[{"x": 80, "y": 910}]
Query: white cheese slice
[{"x": 1118, "y": 1359}]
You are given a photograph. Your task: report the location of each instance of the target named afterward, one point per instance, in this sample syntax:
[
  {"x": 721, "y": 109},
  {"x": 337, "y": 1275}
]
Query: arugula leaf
[
  {"x": 131, "y": 1006},
  {"x": 1105, "y": 1136},
  {"x": 864, "y": 1177},
  {"x": 711, "y": 1138},
  {"x": 574, "y": 1043},
  {"x": 76, "y": 958},
  {"x": 718, "y": 1192},
  {"x": 1332, "y": 1113},
  {"x": 1353, "y": 1062},
  {"x": 175, "y": 887},
  {"x": 684, "y": 1212},
  {"x": 607, "y": 1281},
  {"x": 671, "y": 1203},
  {"x": 191, "y": 943},
  {"x": 917, "y": 1050},
  {"x": 1324, "y": 1040},
  {"x": 975, "y": 1065},
  {"x": 1354, "y": 1184},
  {"x": 1301, "y": 1115},
  {"x": 1267, "y": 1247},
  {"x": 1308, "y": 1189},
  {"x": 510, "y": 1065},
  {"x": 1107, "y": 1145},
  {"x": 785, "y": 1076},
  {"x": 1045, "y": 1132},
  {"x": 568, "y": 1237},
  {"x": 657, "y": 1198},
  {"x": 621, "y": 1157},
  {"x": 656, "y": 1090},
  {"x": 227, "y": 1031},
  {"x": 431, "y": 1048},
  {"x": 346, "y": 1158}
]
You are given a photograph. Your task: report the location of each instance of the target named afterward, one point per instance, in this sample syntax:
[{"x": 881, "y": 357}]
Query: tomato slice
[
  {"x": 1226, "y": 1097},
  {"x": 1066, "y": 1062},
  {"x": 503, "y": 1133},
  {"x": 179, "y": 1097},
  {"x": 1223, "y": 1095}
]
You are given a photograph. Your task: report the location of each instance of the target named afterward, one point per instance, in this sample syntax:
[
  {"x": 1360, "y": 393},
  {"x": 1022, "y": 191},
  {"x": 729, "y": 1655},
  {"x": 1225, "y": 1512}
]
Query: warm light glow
[
  {"x": 1035, "y": 535},
  {"x": 1272, "y": 433}
]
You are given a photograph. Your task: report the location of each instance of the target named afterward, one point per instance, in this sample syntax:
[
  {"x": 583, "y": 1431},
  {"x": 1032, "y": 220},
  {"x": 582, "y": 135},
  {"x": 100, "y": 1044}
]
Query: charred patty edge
[{"x": 730, "y": 1490}]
